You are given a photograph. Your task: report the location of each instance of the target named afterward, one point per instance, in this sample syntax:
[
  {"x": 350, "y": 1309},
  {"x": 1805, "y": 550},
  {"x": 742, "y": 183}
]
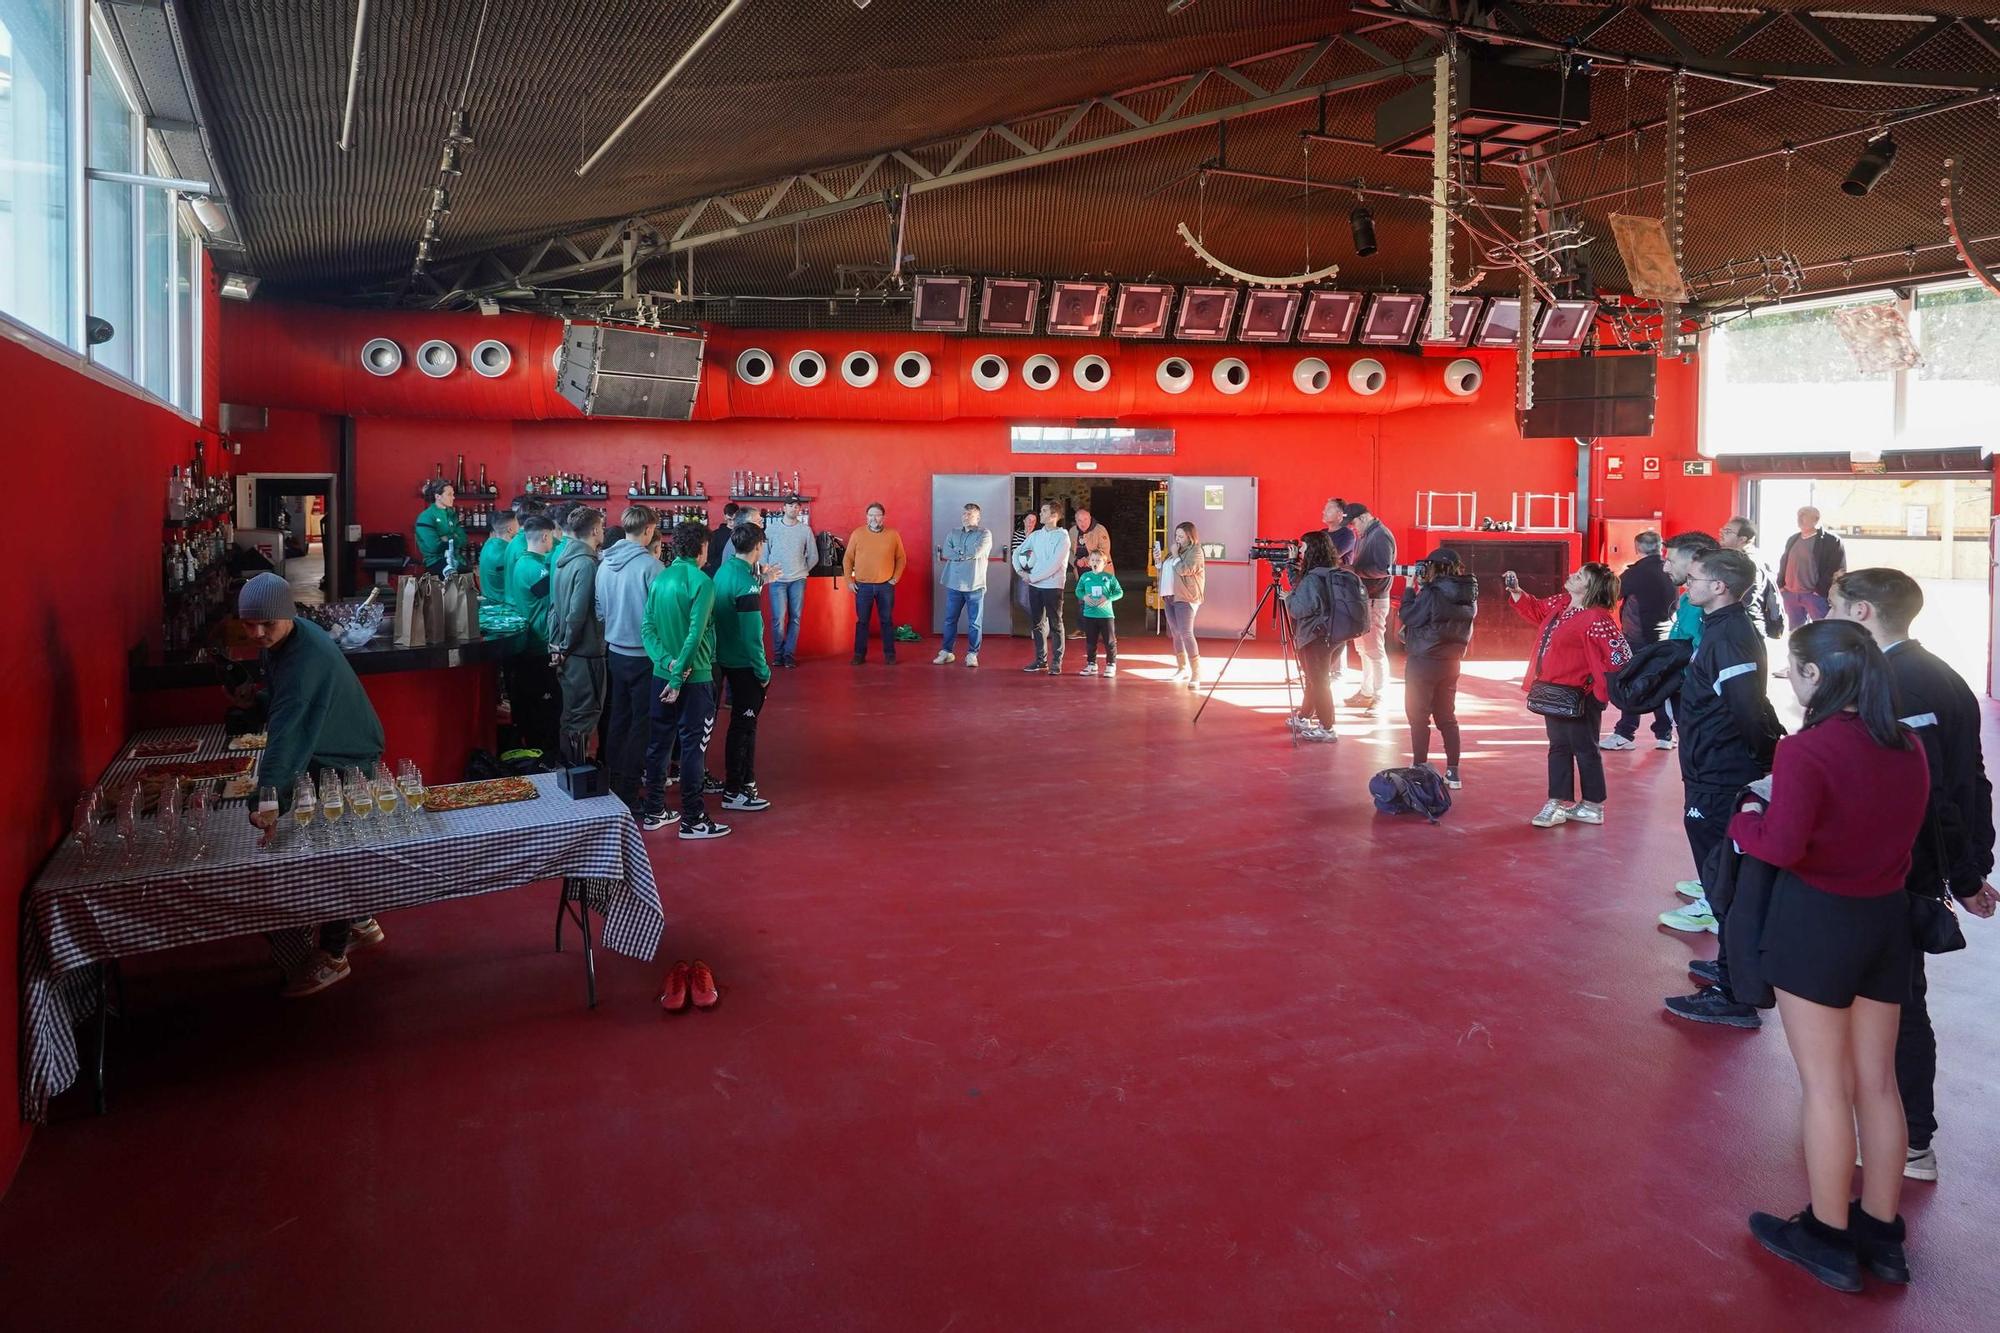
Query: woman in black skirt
[{"x": 1838, "y": 815}]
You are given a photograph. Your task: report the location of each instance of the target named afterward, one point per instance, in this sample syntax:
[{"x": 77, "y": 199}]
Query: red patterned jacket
[{"x": 1584, "y": 648}]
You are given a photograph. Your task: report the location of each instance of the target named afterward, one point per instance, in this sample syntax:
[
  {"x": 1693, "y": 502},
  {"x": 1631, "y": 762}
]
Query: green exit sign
[{"x": 1697, "y": 467}]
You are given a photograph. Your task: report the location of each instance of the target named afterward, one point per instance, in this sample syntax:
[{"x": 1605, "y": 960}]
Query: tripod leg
[{"x": 1248, "y": 625}]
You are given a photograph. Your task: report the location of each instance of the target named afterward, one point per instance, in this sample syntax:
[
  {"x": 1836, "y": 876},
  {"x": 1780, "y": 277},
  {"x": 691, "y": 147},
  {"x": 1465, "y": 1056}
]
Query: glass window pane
[
  {"x": 34, "y": 165},
  {"x": 1785, "y": 382},
  {"x": 156, "y": 296},
  {"x": 1954, "y": 396},
  {"x": 113, "y": 281},
  {"x": 185, "y": 286}
]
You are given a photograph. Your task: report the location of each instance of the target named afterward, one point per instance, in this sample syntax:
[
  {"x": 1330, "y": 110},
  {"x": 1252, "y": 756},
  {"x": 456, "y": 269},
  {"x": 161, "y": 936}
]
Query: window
[
  {"x": 1784, "y": 381},
  {"x": 35, "y": 167},
  {"x": 114, "y": 235},
  {"x": 187, "y": 325},
  {"x": 1954, "y": 396}
]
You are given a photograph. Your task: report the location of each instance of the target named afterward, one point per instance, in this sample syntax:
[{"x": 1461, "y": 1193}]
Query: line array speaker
[{"x": 614, "y": 372}]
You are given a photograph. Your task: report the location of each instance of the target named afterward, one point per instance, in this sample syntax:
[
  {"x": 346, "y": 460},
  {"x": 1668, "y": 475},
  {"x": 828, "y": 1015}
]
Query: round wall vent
[
  {"x": 755, "y": 366},
  {"x": 492, "y": 358},
  {"x": 1091, "y": 373},
  {"x": 1041, "y": 371},
  {"x": 1367, "y": 377},
  {"x": 1311, "y": 375},
  {"x": 1231, "y": 375},
  {"x": 989, "y": 372},
  {"x": 1175, "y": 375},
  {"x": 437, "y": 358},
  {"x": 807, "y": 369},
  {"x": 380, "y": 356},
  {"x": 913, "y": 370},
  {"x": 859, "y": 369},
  {"x": 1463, "y": 377}
]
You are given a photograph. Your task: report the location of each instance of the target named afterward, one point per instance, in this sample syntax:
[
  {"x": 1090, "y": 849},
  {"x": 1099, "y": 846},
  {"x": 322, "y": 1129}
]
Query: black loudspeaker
[
  {"x": 1588, "y": 397},
  {"x": 614, "y": 372},
  {"x": 584, "y": 781}
]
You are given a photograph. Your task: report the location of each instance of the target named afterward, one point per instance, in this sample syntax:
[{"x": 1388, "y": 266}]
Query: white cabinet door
[{"x": 1224, "y": 513}]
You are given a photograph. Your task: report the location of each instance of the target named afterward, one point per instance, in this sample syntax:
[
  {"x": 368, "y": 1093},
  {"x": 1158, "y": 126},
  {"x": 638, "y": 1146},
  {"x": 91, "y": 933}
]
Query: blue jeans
[
  {"x": 1801, "y": 607},
  {"x": 630, "y": 709},
  {"x": 788, "y": 601},
  {"x": 973, "y": 604},
  {"x": 882, "y": 597}
]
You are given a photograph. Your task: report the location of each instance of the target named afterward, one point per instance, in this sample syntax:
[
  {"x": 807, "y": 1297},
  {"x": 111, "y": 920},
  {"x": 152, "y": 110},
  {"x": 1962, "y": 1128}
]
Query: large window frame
[
  {"x": 162, "y": 352},
  {"x": 1900, "y": 436}
]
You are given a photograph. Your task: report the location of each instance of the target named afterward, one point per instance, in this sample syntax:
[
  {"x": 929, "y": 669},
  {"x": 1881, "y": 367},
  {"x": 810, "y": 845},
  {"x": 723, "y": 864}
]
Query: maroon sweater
[{"x": 1844, "y": 811}]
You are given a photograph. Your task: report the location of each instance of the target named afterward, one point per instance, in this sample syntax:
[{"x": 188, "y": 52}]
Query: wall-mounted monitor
[
  {"x": 941, "y": 304},
  {"x": 1205, "y": 314},
  {"x": 1008, "y": 305},
  {"x": 1330, "y": 317},
  {"x": 1268, "y": 315},
  {"x": 1392, "y": 319},
  {"x": 1142, "y": 310},
  {"x": 1076, "y": 309}
]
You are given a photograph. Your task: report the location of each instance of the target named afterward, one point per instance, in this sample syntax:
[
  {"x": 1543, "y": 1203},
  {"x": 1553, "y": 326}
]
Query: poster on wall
[{"x": 1211, "y": 497}]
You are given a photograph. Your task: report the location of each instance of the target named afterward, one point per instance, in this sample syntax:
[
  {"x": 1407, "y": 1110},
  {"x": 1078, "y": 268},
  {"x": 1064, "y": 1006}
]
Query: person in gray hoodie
[
  {"x": 962, "y": 556},
  {"x": 791, "y": 547},
  {"x": 576, "y": 635},
  {"x": 623, "y": 580}
]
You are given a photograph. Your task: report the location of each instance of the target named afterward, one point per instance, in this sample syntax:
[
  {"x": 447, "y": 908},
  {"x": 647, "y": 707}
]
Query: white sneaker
[
  {"x": 972, "y": 659},
  {"x": 1090, "y": 670},
  {"x": 1587, "y": 812},
  {"x": 323, "y": 971},
  {"x": 943, "y": 658},
  {"x": 1663, "y": 742},
  {"x": 1690, "y": 889},
  {"x": 1551, "y": 814},
  {"x": 1111, "y": 670},
  {"x": 1615, "y": 742},
  {"x": 1693, "y": 919}
]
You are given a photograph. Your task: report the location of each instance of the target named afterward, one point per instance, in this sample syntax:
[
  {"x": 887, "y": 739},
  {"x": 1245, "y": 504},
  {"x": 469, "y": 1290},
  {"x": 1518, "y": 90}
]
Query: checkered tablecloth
[{"x": 78, "y": 913}]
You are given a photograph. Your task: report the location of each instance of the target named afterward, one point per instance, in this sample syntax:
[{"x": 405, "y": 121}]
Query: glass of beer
[
  {"x": 332, "y": 804},
  {"x": 412, "y": 782},
  {"x": 305, "y": 807},
  {"x": 359, "y": 799},
  {"x": 384, "y": 788},
  {"x": 267, "y": 804}
]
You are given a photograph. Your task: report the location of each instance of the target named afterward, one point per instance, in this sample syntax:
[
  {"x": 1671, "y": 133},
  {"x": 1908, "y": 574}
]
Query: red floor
[{"x": 1041, "y": 1007}]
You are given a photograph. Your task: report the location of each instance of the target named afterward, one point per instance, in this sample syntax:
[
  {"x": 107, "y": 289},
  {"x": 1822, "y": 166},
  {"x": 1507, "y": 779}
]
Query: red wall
[{"x": 101, "y": 454}]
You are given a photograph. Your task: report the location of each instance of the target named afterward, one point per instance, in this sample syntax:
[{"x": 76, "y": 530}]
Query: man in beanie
[{"x": 319, "y": 718}]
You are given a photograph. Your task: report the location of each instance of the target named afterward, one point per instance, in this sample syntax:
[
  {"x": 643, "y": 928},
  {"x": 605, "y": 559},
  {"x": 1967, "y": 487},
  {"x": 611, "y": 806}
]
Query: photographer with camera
[
  {"x": 1439, "y": 605},
  {"x": 1328, "y": 608},
  {"x": 1581, "y": 646},
  {"x": 1374, "y": 554}
]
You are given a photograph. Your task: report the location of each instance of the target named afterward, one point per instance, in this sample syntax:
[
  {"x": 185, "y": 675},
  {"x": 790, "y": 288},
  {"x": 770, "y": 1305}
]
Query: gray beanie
[{"x": 266, "y": 597}]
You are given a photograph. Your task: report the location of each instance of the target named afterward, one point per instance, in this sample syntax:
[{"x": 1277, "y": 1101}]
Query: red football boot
[
  {"x": 701, "y": 986},
  {"x": 675, "y": 997}
]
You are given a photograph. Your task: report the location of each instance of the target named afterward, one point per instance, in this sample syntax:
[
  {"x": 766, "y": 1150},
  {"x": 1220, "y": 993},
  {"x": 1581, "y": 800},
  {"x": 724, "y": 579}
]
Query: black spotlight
[
  {"x": 97, "y": 331},
  {"x": 1362, "y": 223},
  {"x": 1871, "y": 166}
]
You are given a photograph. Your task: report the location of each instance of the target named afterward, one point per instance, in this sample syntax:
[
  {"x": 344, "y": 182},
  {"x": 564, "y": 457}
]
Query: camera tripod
[{"x": 1273, "y": 592}]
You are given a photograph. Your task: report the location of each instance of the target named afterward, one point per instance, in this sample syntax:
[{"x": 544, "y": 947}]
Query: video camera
[{"x": 1277, "y": 550}]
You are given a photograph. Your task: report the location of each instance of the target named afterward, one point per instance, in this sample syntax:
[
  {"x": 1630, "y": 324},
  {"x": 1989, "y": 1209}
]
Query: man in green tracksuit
[
  {"x": 739, "y": 652},
  {"x": 494, "y": 554},
  {"x": 532, "y": 687},
  {"x": 679, "y": 635},
  {"x": 319, "y": 718}
]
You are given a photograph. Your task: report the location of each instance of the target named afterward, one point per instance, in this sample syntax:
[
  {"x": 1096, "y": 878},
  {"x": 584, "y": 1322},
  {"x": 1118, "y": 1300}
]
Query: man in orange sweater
[{"x": 875, "y": 562}]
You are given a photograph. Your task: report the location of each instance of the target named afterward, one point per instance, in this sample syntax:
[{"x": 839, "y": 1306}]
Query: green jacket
[
  {"x": 739, "y": 618},
  {"x": 318, "y": 711},
  {"x": 528, "y": 593},
  {"x": 679, "y": 630},
  {"x": 493, "y": 568},
  {"x": 1098, "y": 585},
  {"x": 1687, "y": 622},
  {"x": 435, "y": 527}
]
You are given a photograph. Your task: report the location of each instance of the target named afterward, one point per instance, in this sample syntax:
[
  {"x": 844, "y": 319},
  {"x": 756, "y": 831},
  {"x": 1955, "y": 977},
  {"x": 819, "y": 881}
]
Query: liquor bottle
[
  {"x": 458, "y": 482},
  {"x": 795, "y": 483},
  {"x": 438, "y": 473},
  {"x": 687, "y": 486},
  {"x": 482, "y": 480}
]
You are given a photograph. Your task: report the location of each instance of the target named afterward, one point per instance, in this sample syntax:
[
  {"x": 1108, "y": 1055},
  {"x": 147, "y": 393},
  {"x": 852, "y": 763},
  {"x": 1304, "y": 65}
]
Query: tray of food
[
  {"x": 238, "y": 787},
  {"x": 472, "y": 795},
  {"x": 162, "y": 749},
  {"x": 248, "y": 741},
  {"x": 194, "y": 770}
]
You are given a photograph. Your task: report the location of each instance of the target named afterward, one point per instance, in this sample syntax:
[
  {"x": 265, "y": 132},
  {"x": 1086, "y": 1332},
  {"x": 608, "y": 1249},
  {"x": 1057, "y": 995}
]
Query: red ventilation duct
[{"x": 312, "y": 358}]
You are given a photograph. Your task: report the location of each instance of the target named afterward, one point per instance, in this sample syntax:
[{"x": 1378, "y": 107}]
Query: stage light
[
  {"x": 1460, "y": 316},
  {"x": 1502, "y": 325},
  {"x": 1566, "y": 327},
  {"x": 1007, "y": 305},
  {"x": 1205, "y": 313},
  {"x": 1268, "y": 315},
  {"x": 1392, "y": 319},
  {"x": 1871, "y": 166},
  {"x": 941, "y": 304},
  {"x": 209, "y": 213},
  {"x": 1330, "y": 317},
  {"x": 239, "y": 286},
  {"x": 1142, "y": 310},
  {"x": 1076, "y": 309},
  {"x": 1362, "y": 223}
]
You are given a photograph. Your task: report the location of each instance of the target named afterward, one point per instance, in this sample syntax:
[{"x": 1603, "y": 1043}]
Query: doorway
[
  {"x": 1935, "y": 529},
  {"x": 299, "y": 509},
  {"x": 1118, "y": 505}
]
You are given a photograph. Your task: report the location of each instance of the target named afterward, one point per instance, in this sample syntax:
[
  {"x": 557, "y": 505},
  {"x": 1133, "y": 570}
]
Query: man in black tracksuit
[
  {"x": 1935, "y": 703},
  {"x": 1728, "y": 732}
]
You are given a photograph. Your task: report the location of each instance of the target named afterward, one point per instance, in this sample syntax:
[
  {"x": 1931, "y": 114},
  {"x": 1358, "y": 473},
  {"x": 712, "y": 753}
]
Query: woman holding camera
[
  {"x": 1439, "y": 605},
  {"x": 1580, "y": 646},
  {"x": 1328, "y": 607},
  {"x": 1183, "y": 583},
  {"x": 438, "y": 526},
  {"x": 1846, "y": 799}
]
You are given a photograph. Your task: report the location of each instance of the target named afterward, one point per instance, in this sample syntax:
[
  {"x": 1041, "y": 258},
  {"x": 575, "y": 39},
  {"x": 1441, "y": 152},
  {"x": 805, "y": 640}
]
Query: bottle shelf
[
  {"x": 776, "y": 499},
  {"x": 674, "y": 499}
]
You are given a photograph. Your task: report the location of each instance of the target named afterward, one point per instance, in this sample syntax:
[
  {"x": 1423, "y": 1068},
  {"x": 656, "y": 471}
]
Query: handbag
[
  {"x": 1546, "y": 698},
  {"x": 1933, "y": 924}
]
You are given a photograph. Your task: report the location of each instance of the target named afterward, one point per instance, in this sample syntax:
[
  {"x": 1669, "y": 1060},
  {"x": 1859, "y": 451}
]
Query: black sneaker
[
  {"x": 659, "y": 819},
  {"x": 1055, "y": 671},
  {"x": 710, "y": 784},
  {"x": 859, "y": 661},
  {"x": 747, "y": 799},
  {"x": 703, "y": 829},
  {"x": 1827, "y": 1254},
  {"x": 1712, "y": 1004},
  {"x": 1706, "y": 970},
  {"x": 1879, "y": 1245},
  {"x": 1451, "y": 779},
  {"x": 1033, "y": 667}
]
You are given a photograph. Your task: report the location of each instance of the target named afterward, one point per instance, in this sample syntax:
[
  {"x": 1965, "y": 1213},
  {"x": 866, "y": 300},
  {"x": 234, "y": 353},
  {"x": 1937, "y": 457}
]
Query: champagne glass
[
  {"x": 167, "y": 817},
  {"x": 305, "y": 807},
  {"x": 384, "y": 788},
  {"x": 360, "y": 800},
  {"x": 128, "y": 824},
  {"x": 412, "y": 781},
  {"x": 332, "y": 803},
  {"x": 267, "y": 805},
  {"x": 83, "y": 825},
  {"x": 200, "y": 803}
]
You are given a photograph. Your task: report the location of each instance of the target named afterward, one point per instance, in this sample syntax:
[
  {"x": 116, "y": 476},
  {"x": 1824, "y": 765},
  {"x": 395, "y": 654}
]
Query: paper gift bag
[
  {"x": 411, "y": 624},
  {"x": 461, "y": 609},
  {"x": 430, "y": 597}
]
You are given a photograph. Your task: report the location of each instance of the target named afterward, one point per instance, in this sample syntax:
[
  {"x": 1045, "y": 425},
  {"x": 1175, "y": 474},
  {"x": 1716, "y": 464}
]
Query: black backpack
[
  {"x": 1347, "y": 617},
  {"x": 1412, "y": 791}
]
